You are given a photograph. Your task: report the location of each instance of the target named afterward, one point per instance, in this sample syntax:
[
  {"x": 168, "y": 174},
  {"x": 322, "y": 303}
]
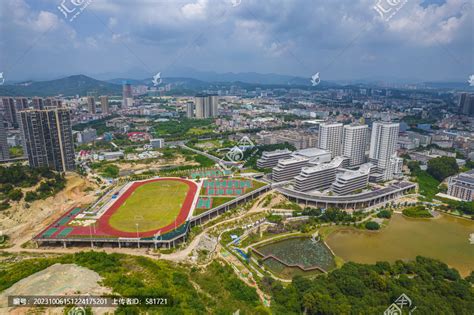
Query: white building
[
  {"x": 270, "y": 159},
  {"x": 288, "y": 168},
  {"x": 383, "y": 147},
  {"x": 314, "y": 155},
  {"x": 86, "y": 136},
  {"x": 157, "y": 143},
  {"x": 318, "y": 177},
  {"x": 355, "y": 143},
  {"x": 462, "y": 186},
  {"x": 351, "y": 181},
  {"x": 330, "y": 138}
]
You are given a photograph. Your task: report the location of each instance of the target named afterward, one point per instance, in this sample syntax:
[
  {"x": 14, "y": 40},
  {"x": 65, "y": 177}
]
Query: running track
[
  {"x": 106, "y": 228},
  {"x": 103, "y": 228}
]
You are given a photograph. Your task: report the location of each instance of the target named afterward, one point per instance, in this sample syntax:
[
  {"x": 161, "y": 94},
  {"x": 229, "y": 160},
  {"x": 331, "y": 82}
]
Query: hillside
[{"x": 69, "y": 86}]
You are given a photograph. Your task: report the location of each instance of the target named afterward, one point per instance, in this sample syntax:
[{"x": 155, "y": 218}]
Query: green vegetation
[
  {"x": 418, "y": 211},
  {"x": 215, "y": 290},
  {"x": 16, "y": 152},
  {"x": 251, "y": 161},
  {"x": 17, "y": 176},
  {"x": 288, "y": 205},
  {"x": 372, "y": 226},
  {"x": 442, "y": 167},
  {"x": 98, "y": 125},
  {"x": 110, "y": 171},
  {"x": 151, "y": 206},
  {"x": 433, "y": 287},
  {"x": 180, "y": 129},
  {"x": 428, "y": 185},
  {"x": 384, "y": 214}
]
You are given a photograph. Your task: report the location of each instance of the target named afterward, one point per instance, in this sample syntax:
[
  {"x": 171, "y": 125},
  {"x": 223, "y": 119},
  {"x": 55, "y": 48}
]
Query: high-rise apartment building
[
  {"x": 21, "y": 103},
  {"x": 466, "y": 104},
  {"x": 104, "y": 104},
  {"x": 206, "y": 106},
  {"x": 330, "y": 138},
  {"x": 383, "y": 148},
  {"x": 4, "y": 150},
  {"x": 48, "y": 140},
  {"x": 126, "y": 94},
  {"x": 91, "y": 105},
  {"x": 189, "y": 110},
  {"x": 37, "y": 102},
  {"x": 9, "y": 109},
  {"x": 354, "y": 143}
]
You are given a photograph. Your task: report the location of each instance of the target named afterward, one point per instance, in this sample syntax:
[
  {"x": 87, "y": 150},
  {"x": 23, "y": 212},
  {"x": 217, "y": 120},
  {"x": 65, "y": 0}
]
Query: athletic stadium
[{"x": 153, "y": 212}]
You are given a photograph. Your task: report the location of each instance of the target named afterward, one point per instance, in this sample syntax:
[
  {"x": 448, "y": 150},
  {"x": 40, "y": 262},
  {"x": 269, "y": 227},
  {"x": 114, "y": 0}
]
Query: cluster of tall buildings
[
  {"x": 45, "y": 128},
  {"x": 466, "y": 104},
  {"x": 205, "y": 106},
  {"x": 347, "y": 158},
  {"x": 352, "y": 141},
  {"x": 104, "y": 104}
]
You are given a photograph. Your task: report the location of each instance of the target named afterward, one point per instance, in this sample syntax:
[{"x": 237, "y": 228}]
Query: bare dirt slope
[{"x": 22, "y": 220}]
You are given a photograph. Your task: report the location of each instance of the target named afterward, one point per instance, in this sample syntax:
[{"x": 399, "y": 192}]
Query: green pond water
[
  {"x": 297, "y": 251},
  {"x": 445, "y": 238}
]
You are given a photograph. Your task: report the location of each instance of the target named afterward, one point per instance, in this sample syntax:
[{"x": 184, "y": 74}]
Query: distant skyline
[{"x": 430, "y": 40}]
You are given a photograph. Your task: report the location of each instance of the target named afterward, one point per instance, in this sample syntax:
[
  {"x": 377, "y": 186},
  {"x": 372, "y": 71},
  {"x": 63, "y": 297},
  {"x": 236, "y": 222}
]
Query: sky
[{"x": 421, "y": 40}]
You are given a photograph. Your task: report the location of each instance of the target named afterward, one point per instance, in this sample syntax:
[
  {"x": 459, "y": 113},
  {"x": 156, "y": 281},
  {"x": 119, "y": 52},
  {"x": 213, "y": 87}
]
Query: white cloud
[{"x": 195, "y": 10}]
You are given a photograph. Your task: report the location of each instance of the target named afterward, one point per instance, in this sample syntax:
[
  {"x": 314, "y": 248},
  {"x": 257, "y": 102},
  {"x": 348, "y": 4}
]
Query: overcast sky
[{"x": 424, "y": 40}]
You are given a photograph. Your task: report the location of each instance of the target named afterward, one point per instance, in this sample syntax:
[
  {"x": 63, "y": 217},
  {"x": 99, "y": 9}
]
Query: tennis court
[{"x": 204, "y": 203}]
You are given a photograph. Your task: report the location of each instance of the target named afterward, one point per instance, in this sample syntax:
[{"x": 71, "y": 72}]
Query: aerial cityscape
[{"x": 236, "y": 157}]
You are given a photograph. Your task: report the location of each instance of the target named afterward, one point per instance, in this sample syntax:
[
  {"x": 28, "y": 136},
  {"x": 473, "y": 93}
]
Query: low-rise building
[
  {"x": 288, "y": 168},
  {"x": 352, "y": 181},
  {"x": 270, "y": 159},
  {"x": 462, "y": 186},
  {"x": 318, "y": 177},
  {"x": 157, "y": 143},
  {"x": 86, "y": 136}
]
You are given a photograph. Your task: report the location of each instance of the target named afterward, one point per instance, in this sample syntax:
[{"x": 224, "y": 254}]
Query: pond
[
  {"x": 301, "y": 251},
  {"x": 445, "y": 238}
]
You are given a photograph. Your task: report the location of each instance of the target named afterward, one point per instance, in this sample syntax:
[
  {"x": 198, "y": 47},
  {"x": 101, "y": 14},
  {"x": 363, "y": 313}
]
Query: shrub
[{"x": 371, "y": 225}]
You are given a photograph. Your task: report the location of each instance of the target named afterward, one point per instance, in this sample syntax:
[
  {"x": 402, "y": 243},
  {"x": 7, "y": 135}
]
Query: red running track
[{"x": 105, "y": 228}]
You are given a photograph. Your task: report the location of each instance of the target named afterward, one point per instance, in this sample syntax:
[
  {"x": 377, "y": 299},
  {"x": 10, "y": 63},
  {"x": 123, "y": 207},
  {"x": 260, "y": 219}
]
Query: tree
[
  {"x": 15, "y": 194},
  {"x": 372, "y": 225},
  {"x": 386, "y": 214},
  {"x": 442, "y": 167}
]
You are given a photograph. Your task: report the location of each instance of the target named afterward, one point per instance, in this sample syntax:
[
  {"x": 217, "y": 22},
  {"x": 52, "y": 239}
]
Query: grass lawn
[
  {"x": 428, "y": 185},
  {"x": 152, "y": 206}
]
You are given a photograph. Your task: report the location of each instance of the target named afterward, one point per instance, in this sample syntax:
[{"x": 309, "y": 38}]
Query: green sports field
[{"x": 151, "y": 206}]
